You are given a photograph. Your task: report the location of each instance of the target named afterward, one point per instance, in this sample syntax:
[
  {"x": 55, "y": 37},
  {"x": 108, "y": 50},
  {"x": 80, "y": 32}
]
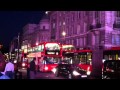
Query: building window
[
  {"x": 81, "y": 42},
  {"x": 77, "y": 42},
  {"x": 117, "y": 13},
  {"x": 78, "y": 29},
  {"x": 85, "y": 27},
  {"x": 78, "y": 14},
  {"x": 63, "y": 23},
  {"x": 96, "y": 40},
  {"x": 86, "y": 13},
  {"x": 87, "y": 39},
  {"x": 96, "y": 14},
  {"x": 43, "y": 27},
  {"x": 116, "y": 39},
  {"x": 60, "y": 23},
  {"x": 53, "y": 25},
  {"x": 84, "y": 41}
]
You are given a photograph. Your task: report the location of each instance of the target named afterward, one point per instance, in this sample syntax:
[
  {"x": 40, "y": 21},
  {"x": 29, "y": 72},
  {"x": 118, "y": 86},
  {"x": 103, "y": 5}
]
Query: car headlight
[
  {"x": 15, "y": 61},
  {"x": 76, "y": 73},
  {"x": 23, "y": 64},
  {"x": 54, "y": 70},
  {"x": 88, "y": 72}
]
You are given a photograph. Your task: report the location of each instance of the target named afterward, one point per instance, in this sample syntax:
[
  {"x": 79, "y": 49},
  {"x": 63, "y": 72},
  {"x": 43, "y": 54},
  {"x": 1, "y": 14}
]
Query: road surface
[{"x": 40, "y": 75}]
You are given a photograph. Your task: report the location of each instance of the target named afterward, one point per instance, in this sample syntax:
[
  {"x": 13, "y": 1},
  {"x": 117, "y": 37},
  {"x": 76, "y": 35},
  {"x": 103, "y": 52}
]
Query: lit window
[
  {"x": 60, "y": 24},
  {"x": 53, "y": 25},
  {"x": 43, "y": 27}
]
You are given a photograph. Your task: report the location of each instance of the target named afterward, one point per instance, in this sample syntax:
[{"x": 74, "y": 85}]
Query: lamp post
[
  {"x": 18, "y": 38},
  {"x": 97, "y": 57}
]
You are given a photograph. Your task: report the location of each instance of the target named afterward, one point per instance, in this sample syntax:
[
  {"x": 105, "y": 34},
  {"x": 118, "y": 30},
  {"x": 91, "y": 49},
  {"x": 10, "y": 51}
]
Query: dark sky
[{"x": 12, "y": 22}]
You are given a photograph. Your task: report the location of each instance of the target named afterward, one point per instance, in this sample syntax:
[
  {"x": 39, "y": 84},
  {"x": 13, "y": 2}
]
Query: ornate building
[
  {"x": 85, "y": 29},
  {"x": 35, "y": 33}
]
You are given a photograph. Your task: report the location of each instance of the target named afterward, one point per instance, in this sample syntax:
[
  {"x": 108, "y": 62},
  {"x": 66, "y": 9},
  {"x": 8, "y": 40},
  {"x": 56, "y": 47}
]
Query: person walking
[
  {"x": 2, "y": 67},
  {"x": 28, "y": 71},
  {"x": 32, "y": 69},
  {"x": 9, "y": 69}
]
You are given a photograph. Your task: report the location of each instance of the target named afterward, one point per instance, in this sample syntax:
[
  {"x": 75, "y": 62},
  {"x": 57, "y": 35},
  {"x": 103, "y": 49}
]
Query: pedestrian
[
  {"x": 9, "y": 69},
  {"x": 32, "y": 69},
  {"x": 28, "y": 71},
  {"x": 2, "y": 68}
]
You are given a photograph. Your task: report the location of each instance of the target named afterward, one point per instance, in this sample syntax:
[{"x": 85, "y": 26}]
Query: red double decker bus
[
  {"x": 48, "y": 55},
  {"x": 85, "y": 58}
]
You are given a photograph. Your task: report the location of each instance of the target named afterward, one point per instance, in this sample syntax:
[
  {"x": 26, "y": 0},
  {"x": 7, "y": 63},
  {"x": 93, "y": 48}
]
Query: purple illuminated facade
[
  {"x": 96, "y": 30},
  {"x": 85, "y": 29},
  {"x": 36, "y": 33}
]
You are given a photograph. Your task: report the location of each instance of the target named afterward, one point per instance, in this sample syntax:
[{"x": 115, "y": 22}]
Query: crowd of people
[{"x": 8, "y": 70}]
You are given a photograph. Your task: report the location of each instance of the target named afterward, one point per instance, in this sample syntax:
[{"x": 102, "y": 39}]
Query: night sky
[{"x": 12, "y": 22}]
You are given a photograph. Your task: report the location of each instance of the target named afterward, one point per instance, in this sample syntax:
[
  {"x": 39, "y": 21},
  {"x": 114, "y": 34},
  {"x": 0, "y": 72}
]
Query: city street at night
[{"x": 71, "y": 44}]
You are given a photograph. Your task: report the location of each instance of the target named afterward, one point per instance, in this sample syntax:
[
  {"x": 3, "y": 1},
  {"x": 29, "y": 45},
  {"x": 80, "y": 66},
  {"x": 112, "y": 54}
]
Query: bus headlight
[
  {"x": 15, "y": 61},
  {"x": 76, "y": 73},
  {"x": 88, "y": 72},
  {"x": 46, "y": 68},
  {"x": 23, "y": 64}
]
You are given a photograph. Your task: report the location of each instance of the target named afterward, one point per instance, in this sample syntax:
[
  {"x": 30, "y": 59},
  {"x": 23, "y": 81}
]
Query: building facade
[
  {"x": 96, "y": 30},
  {"x": 34, "y": 34},
  {"x": 85, "y": 29}
]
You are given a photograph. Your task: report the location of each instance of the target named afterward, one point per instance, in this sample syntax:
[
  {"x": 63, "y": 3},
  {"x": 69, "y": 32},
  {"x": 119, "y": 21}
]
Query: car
[
  {"x": 111, "y": 69},
  {"x": 70, "y": 71}
]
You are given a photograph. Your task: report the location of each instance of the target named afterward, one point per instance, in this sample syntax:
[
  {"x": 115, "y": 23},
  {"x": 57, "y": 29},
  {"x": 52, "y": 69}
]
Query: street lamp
[
  {"x": 36, "y": 43},
  {"x": 18, "y": 38},
  {"x": 64, "y": 34}
]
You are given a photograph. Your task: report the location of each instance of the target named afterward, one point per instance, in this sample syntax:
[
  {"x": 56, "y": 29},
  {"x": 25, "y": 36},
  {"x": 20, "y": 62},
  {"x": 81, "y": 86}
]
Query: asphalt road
[{"x": 40, "y": 75}]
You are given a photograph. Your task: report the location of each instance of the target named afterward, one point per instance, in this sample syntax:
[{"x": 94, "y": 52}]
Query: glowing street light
[
  {"x": 46, "y": 12},
  {"x": 36, "y": 43},
  {"x": 64, "y": 33}
]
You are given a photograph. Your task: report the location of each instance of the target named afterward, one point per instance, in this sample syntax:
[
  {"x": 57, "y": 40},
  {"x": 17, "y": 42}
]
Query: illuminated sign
[{"x": 50, "y": 52}]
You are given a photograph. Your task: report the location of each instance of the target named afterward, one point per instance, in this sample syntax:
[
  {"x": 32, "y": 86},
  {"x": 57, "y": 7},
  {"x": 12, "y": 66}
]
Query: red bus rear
[{"x": 85, "y": 58}]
